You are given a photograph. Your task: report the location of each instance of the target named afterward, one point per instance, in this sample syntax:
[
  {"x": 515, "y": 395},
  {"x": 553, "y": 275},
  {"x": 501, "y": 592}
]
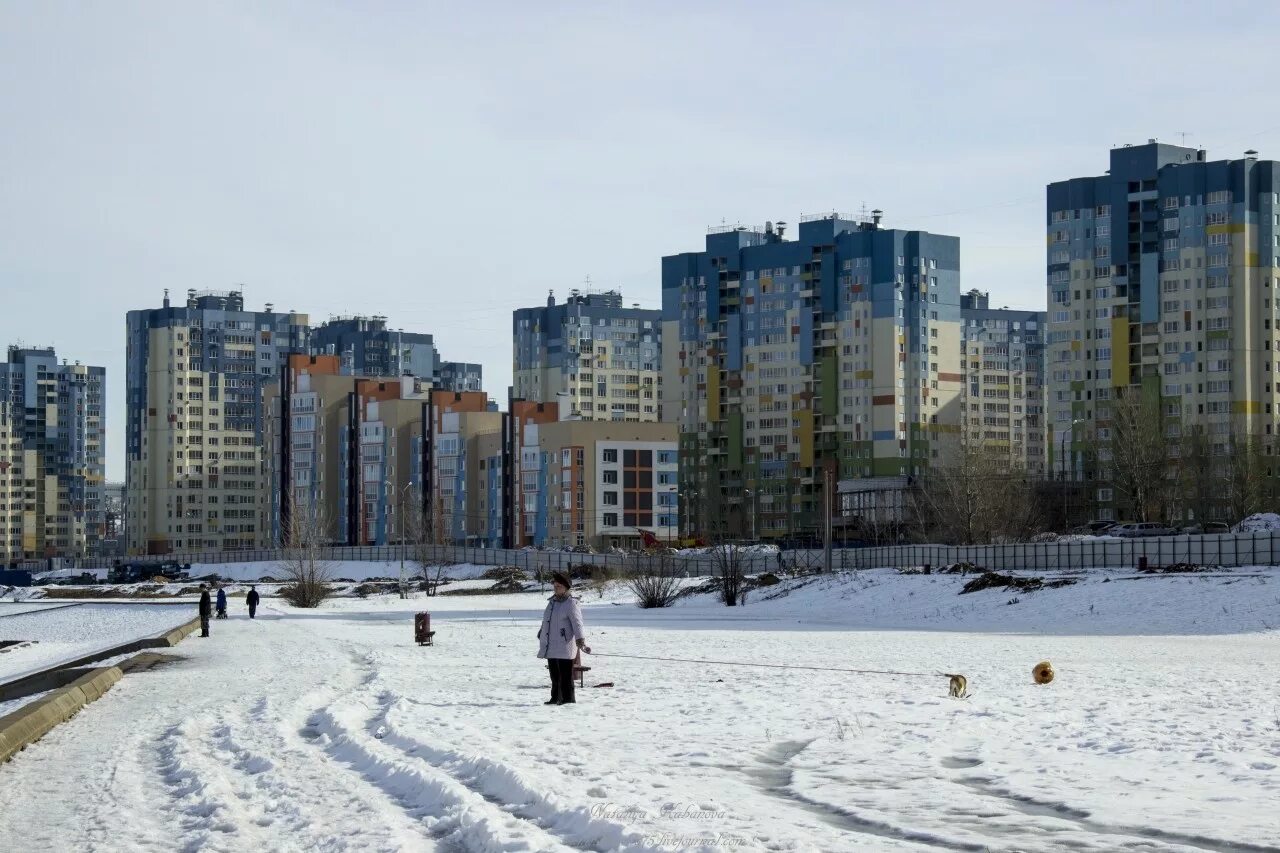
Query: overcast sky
[{"x": 443, "y": 164}]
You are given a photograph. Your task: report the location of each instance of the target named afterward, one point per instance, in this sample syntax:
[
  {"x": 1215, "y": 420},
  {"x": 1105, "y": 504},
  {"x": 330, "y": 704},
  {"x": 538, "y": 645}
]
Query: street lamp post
[
  {"x": 691, "y": 495},
  {"x": 399, "y": 511},
  {"x": 754, "y": 495},
  {"x": 1062, "y": 452}
]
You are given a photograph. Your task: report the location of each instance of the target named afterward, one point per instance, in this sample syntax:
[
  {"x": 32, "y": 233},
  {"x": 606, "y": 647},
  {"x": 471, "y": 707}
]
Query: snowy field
[
  {"x": 67, "y": 633},
  {"x": 331, "y": 730}
]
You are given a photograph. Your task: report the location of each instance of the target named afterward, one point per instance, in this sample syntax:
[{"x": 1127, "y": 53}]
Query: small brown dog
[{"x": 959, "y": 686}]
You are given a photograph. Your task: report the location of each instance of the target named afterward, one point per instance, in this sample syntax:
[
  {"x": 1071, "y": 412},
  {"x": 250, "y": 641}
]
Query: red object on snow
[{"x": 422, "y": 633}]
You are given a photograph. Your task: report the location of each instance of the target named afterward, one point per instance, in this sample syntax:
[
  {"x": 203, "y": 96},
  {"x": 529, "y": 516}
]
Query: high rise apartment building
[
  {"x": 12, "y": 487},
  {"x": 194, "y": 433},
  {"x": 371, "y": 460},
  {"x": 365, "y": 346},
  {"x": 1162, "y": 280},
  {"x": 592, "y": 354},
  {"x": 52, "y": 456},
  {"x": 1002, "y": 402},
  {"x": 791, "y": 363},
  {"x": 459, "y": 376}
]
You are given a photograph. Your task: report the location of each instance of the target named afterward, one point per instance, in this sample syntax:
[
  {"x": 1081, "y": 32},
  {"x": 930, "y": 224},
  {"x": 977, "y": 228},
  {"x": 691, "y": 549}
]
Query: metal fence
[{"x": 1228, "y": 550}]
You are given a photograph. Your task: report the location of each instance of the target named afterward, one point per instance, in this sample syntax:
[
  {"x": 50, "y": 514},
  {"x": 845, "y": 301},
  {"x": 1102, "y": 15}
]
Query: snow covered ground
[
  {"x": 67, "y": 633},
  {"x": 13, "y": 608},
  {"x": 331, "y": 730}
]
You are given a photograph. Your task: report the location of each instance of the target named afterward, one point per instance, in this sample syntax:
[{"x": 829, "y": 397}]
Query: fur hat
[{"x": 562, "y": 579}]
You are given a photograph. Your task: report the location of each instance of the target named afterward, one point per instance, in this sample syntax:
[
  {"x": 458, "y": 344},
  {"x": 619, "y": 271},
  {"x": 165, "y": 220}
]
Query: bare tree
[
  {"x": 424, "y": 535},
  {"x": 1140, "y": 468},
  {"x": 306, "y": 571},
  {"x": 728, "y": 567},
  {"x": 1246, "y": 486},
  {"x": 978, "y": 496},
  {"x": 653, "y": 580},
  {"x": 1197, "y": 473}
]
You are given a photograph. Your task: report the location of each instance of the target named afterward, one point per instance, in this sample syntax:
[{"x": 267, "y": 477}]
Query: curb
[
  {"x": 33, "y": 721},
  {"x": 38, "y": 681}
]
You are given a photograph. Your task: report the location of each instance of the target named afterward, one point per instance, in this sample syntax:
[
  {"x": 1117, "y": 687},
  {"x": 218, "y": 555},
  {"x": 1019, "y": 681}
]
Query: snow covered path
[{"x": 332, "y": 731}]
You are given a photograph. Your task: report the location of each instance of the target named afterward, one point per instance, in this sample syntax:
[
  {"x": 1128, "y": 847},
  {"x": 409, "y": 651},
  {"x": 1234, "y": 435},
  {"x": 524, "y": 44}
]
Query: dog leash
[{"x": 777, "y": 665}]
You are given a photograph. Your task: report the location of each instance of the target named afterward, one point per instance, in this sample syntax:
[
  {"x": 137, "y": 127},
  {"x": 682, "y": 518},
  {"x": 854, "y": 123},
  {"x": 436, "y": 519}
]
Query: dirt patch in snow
[{"x": 995, "y": 580}]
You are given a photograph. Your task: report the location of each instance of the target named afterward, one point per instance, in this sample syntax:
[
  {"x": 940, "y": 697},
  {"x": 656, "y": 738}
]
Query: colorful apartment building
[
  {"x": 601, "y": 483},
  {"x": 194, "y": 391},
  {"x": 593, "y": 355},
  {"x": 791, "y": 363},
  {"x": 374, "y": 459},
  {"x": 52, "y": 456},
  {"x": 1002, "y": 402},
  {"x": 1160, "y": 281}
]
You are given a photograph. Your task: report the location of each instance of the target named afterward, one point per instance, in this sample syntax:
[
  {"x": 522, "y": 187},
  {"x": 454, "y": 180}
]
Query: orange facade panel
[{"x": 316, "y": 365}]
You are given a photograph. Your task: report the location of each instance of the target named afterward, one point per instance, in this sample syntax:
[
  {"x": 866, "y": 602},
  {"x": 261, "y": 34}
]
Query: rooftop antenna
[{"x": 1183, "y": 134}]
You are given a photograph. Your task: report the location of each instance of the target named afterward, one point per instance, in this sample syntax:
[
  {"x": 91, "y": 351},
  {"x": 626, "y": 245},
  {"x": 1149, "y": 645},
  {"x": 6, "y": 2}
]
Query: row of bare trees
[
  {"x": 1155, "y": 469},
  {"x": 308, "y": 575},
  {"x": 1161, "y": 471}
]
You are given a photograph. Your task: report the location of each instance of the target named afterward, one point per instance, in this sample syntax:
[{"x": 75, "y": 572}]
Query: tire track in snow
[
  {"x": 454, "y": 814},
  {"x": 1033, "y": 807},
  {"x": 502, "y": 785},
  {"x": 773, "y": 775},
  {"x": 241, "y": 778}
]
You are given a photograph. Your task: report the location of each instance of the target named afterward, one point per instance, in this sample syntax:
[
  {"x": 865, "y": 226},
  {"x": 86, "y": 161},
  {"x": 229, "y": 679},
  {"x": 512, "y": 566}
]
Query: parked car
[
  {"x": 1093, "y": 528},
  {"x": 1134, "y": 529},
  {"x": 1212, "y": 528}
]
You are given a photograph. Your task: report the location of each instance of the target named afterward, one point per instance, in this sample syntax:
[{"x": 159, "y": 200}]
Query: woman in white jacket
[{"x": 559, "y": 638}]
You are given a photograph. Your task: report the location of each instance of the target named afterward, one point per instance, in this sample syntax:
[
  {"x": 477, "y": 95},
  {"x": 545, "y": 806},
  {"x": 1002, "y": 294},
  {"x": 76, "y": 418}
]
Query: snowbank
[
  {"x": 1257, "y": 522},
  {"x": 762, "y": 549}
]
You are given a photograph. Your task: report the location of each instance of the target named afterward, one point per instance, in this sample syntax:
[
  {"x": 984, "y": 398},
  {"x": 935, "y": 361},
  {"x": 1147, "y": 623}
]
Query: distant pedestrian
[
  {"x": 206, "y": 610},
  {"x": 252, "y": 600},
  {"x": 560, "y": 637},
  {"x": 222, "y": 603}
]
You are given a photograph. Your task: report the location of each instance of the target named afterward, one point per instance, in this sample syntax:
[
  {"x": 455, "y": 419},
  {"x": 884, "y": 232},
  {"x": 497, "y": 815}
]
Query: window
[
  {"x": 610, "y": 519},
  {"x": 609, "y": 498},
  {"x": 610, "y": 477},
  {"x": 610, "y": 455}
]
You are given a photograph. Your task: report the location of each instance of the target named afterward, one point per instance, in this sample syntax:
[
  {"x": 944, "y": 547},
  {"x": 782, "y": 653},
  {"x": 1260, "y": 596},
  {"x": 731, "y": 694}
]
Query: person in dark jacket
[
  {"x": 252, "y": 600},
  {"x": 559, "y": 638},
  {"x": 206, "y": 610},
  {"x": 222, "y": 603}
]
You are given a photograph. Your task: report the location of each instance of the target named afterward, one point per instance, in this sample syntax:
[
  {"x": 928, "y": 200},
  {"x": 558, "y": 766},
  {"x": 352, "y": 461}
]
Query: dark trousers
[
  {"x": 253, "y": 608},
  {"x": 204, "y": 624},
  {"x": 561, "y": 679}
]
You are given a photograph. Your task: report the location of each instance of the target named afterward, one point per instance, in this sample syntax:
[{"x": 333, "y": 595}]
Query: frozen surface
[
  {"x": 331, "y": 730},
  {"x": 14, "y": 608},
  {"x": 66, "y": 633}
]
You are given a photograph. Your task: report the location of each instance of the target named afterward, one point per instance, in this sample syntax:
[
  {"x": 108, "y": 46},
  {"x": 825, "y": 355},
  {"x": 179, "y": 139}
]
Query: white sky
[{"x": 443, "y": 164}]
